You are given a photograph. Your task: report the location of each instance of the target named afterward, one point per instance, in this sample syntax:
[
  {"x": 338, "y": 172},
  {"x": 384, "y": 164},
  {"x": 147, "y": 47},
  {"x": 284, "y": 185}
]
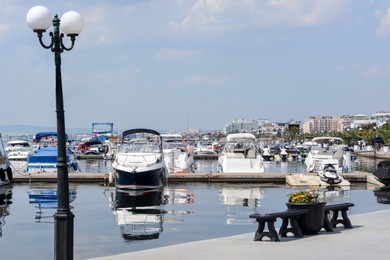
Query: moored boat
[
  {"x": 241, "y": 154},
  {"x": 139, "y": 163},
  {"x": 266, "y": 153},
  {"x": 96, "y": 147},
  {"x": 6, "y": 174},
  {"x": 382, "y": 172},
  {"x": 178, "y": 156},
  {"x": 328, "y": 150},
  {"x": 44, "y": 159},
  {"x": 19, "y": 149}
]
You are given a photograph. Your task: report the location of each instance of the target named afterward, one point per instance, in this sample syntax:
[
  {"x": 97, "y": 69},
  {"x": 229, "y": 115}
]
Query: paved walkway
[{"x": 369, "y": 239}]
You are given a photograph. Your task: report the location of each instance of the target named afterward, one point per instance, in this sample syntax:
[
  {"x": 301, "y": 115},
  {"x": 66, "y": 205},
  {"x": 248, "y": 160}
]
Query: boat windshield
[
  {"x": 174, "y": 145},
  {"x": 140, "y": 146},
  {"x": 240, "y": 145}
]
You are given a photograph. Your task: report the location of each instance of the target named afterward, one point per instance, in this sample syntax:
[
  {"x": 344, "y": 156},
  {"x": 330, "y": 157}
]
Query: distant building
[
  {"x": 241, "y": 125},
  {"x": 322, "y": 124},
  {"x": 381, "y": 117}
]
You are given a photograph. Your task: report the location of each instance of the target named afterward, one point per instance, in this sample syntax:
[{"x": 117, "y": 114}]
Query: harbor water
[{"x": 109, "y": 222}]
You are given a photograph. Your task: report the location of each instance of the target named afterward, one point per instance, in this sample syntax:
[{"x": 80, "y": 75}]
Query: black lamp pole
[{"x": 64, "y": 218}]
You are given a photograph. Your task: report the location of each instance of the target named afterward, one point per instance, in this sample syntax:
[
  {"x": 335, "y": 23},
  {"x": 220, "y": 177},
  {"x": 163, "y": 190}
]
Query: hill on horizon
[{"x": 30, "y": 129}]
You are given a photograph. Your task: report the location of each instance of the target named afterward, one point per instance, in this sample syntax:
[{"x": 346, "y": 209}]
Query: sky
[{"x": 184, "y": 64}]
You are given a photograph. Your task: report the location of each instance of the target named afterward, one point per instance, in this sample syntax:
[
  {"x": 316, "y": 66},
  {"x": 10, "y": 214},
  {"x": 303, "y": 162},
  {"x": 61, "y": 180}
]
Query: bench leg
[
  {"x": 344, "y": 220},
  {"x": 335, "y": 216},
  {"x": 283, "y": 229},
  {"x": 271, "y": 233},
  {"x": 295, "y": 227},
  {"x": 327, "y": 225}
]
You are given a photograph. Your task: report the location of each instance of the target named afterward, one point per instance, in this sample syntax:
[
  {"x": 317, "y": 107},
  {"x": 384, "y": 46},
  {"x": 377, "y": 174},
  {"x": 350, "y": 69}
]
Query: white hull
[
  {"x": 240, "y": 155},
  {"x": 241, "y": 165}
]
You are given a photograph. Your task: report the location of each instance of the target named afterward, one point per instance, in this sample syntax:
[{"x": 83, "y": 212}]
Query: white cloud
[
  {"x": 167, "y": 54},
  {"x": 4, "y": 27},
  {"x": 355, "y": 66},
  {"x": 378, "y": 71},
  {"x": 222, "y": 14},
  {"x": 97, "y": 20},
  {"x": 206, "y": 80},
  {"x": 303, "y": 12},
  {"x": 384, "y": 26},
  {"x": 227, "y": 14}
]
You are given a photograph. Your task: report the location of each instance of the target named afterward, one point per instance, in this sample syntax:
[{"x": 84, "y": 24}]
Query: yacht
[
  {"x": 19, "y": 149},
  {"x": 178, "y": 156},
  {"x": 240, "y": 154},
  {"x": 139, "y": 163},
  {"x": 206, "y": 146},
  {"x": 328, "y": 150}
]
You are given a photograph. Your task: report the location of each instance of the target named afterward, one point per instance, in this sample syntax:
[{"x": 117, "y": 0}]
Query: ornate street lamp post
[{"x": 40, "y": 19}]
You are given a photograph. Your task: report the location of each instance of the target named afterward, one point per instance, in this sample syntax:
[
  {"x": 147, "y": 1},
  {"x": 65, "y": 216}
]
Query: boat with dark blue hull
[{"x": 139, "y": 163}]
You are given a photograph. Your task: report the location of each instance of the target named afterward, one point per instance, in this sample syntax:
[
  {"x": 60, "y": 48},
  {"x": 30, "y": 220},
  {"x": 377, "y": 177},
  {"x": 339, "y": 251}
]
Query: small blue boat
[{"x": 44, "y": 159}]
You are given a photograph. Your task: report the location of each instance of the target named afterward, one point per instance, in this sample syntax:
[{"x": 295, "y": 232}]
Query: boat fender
[
  {"x": 75, "y": 166},
  {"x": 310, "y": 168},
  {"x": 2, "y": 174},
  {"x": 110, "y": 177},
  {"x": 9, "y": 174}
]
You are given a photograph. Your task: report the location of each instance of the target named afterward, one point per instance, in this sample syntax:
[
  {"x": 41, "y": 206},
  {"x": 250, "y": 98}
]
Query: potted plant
[{"x": 312, "y": 222}]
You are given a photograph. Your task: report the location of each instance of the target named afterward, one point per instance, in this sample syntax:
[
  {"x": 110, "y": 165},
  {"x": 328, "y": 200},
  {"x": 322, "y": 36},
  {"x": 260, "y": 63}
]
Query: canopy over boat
[
  {"x": 232, "y": 137},
  {"x": 41, "y": 135},
  {"x": 138, "y": 130},
  {"x": 326, "y": 139},
  {"x": 47, "y": 155}
]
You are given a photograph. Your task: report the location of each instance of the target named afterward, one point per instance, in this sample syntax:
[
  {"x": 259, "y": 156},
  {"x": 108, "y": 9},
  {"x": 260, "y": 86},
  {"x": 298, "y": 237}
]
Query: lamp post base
[{"x": 63, "y": 233}]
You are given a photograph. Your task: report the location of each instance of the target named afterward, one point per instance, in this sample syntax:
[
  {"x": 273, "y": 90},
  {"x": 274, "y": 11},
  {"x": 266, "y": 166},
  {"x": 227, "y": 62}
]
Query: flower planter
[{"x": 312, "y": 222}]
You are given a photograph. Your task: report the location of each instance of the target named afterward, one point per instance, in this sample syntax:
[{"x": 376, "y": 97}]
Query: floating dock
[{"x": 84, "y": 177}]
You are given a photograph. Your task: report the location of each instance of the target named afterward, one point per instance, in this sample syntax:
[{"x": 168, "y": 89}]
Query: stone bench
[
  {"x": 290, "y": 215},
  {"x": 335, "y": 209}
]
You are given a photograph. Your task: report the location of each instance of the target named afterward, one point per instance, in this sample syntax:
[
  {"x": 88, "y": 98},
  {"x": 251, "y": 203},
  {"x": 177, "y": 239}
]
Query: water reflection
[
  {"x": 335, "y": 194},
  {"x": 235, "y": 198},
  {"x": 45, "y": 201},
  {"x": 94, "y": 165},
  {"x": 5, "y": 201},
  {"x": 382, "y": 195},
  {"x": 139, "y": 214}
]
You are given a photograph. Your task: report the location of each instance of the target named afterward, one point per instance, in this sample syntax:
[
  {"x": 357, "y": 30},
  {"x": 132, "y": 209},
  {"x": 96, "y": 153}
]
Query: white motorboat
[
  {"x": 206, "y": 146},
  {"x": 178, "y": 156},
  {"x": 19, "y": 149},
  {"x": 139, "y": 163},
  {"x": 241, "y": 155},
  {"x": 6, "y": 175},
  {"x": 328, "y": 150}
]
